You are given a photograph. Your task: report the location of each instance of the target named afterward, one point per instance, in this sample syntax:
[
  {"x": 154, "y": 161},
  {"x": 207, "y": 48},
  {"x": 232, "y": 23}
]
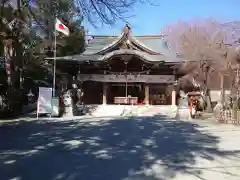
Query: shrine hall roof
[
  {"x": 144, "y": 56},
  {"x": 100, "y": 48},
  {"x": 154, "y": 42}
]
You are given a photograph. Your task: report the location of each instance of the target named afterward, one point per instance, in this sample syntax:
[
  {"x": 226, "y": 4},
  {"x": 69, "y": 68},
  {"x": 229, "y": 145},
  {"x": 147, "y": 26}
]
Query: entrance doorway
[
  {"x": 92, "y": 92},
  {"x": 125, "y": 90}
]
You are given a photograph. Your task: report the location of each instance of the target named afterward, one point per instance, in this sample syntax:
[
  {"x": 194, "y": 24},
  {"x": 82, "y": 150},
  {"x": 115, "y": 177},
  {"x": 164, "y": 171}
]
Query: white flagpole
[{"x": 54, "y": 60}]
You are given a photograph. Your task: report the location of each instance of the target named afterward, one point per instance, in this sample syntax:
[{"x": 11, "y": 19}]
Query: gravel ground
[{"x": 126, "y": 148}]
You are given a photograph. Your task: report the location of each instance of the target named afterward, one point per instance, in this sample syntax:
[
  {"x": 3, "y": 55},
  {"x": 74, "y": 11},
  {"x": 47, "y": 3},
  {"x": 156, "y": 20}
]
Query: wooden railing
[{"x": 125, "y": 100}]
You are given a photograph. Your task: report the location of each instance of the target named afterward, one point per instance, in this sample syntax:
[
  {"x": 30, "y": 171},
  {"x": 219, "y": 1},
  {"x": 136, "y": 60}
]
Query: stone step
[
  {"x": 109, "y": 110},
  {"x": 128, "y": 110}
]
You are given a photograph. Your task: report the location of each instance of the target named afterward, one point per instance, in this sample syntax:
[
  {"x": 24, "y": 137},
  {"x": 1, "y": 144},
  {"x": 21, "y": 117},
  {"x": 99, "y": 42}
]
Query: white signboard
[
  {"x": 128, "y": 78},
  {"x": 215, "y": 96},
  {"x": 44, "y": 104}
]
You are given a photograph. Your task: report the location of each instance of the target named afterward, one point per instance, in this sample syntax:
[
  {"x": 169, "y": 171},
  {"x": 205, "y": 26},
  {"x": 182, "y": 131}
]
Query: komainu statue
[{"x": 68, "y": 104}]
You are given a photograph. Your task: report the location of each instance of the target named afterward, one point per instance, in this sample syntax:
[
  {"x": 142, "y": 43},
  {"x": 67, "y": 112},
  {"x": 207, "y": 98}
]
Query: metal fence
[{"x": 228, "y": 116}]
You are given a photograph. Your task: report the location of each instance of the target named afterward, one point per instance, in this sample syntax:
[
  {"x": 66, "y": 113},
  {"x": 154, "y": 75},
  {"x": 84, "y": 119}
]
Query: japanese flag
[{"x": 59, "y": 26}]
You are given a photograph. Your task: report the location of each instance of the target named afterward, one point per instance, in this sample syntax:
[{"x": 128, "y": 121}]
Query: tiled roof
[
  {"x": 97, "y": 43},
  {"x": 155, "y": 43},
  {"x": 100, "y": 47}
]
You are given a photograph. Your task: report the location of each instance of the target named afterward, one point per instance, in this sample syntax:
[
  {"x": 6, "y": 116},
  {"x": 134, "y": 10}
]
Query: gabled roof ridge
[
  {"x": 153, "y": 36},
  {"x": 114, "y": 43},
  {"x": 104, "y": 36},
  {"x": 113, "y": 36}
]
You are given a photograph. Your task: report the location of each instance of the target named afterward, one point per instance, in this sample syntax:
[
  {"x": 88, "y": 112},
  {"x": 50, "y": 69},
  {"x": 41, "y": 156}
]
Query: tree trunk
[
  {"x": 12, "y": 54},
  {"x": 208, "y": 101},
  {"x": 207, "y": 90},
  {"x": 8, "y": 53}
]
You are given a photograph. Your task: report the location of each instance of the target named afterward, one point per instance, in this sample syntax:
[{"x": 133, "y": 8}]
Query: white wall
[{"x": 216, "y": 95}]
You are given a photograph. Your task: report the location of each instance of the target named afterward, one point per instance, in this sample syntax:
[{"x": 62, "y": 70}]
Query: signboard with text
[{"x": 44, "y": 104}]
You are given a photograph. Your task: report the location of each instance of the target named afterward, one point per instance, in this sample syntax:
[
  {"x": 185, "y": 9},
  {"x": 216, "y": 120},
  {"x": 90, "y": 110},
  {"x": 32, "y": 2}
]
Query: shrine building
[{"x": 124, "y": 69}]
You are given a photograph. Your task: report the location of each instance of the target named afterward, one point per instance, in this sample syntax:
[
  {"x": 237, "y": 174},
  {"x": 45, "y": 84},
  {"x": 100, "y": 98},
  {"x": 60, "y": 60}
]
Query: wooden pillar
[
  {"x": 173, "y": 97},
  {"x": 146, "y": 91},
  {"x": 105, "y": 86}
]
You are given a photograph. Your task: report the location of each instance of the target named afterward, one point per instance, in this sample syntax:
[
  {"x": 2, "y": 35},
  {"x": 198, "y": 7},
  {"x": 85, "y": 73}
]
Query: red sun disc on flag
[{"x": 61, "y": 26}]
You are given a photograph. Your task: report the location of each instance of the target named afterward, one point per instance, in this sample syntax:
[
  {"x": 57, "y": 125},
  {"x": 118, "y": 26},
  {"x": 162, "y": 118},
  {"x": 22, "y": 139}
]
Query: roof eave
[
  {"x": 113, "y": 44},
  {"x": 143, "y": 46}
]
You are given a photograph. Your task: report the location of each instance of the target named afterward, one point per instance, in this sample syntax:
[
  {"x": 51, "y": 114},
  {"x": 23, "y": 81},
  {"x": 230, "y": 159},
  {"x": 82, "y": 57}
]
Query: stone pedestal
[
  {"x": 67, "y": 104},
  {"x": 217, "y": 109},
  {"x": 183, "y": 112},
  {"x": 68, "y": 111}
]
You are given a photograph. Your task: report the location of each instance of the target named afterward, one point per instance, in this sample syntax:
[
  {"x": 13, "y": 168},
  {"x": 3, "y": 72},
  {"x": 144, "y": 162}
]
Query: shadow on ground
[{"x": 133, "y": 148}]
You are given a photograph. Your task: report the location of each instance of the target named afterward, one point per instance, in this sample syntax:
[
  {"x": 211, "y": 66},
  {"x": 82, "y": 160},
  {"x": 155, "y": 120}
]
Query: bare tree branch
[
  {"x": 203, "y": 46},
  {"x": 106, "y": 11}
]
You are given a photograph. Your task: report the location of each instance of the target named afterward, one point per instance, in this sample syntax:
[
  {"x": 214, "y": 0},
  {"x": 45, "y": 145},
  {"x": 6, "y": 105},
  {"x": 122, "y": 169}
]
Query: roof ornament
[{"x": 127, "y": 29}]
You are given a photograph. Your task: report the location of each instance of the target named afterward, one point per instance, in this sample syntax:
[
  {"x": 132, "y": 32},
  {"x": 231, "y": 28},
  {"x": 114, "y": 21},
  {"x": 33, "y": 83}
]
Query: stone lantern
[{"x": 31, "y": 97}]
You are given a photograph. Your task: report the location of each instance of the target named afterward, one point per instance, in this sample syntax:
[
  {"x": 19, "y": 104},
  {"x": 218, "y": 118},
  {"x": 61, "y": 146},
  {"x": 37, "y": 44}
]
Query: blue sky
[{"x": 148, "y": 19}]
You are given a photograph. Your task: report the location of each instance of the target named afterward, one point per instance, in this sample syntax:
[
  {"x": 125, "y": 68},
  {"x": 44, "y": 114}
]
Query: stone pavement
[{"x": 124, "y": 148}]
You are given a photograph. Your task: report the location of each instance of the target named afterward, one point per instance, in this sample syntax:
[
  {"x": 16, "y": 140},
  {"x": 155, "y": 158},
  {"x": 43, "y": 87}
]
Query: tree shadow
[{"x": 130, "y": 148}]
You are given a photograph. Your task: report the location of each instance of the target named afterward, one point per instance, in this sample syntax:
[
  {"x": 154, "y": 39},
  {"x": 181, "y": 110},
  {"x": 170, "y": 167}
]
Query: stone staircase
[
  {"x": 108, "y": 110},
  {"x": 164, "y": 110},
  {"x": 128, "y": 110}
]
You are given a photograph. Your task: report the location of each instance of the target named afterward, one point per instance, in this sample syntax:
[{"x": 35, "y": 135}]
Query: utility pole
[{"x": 237, "y": 80}]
